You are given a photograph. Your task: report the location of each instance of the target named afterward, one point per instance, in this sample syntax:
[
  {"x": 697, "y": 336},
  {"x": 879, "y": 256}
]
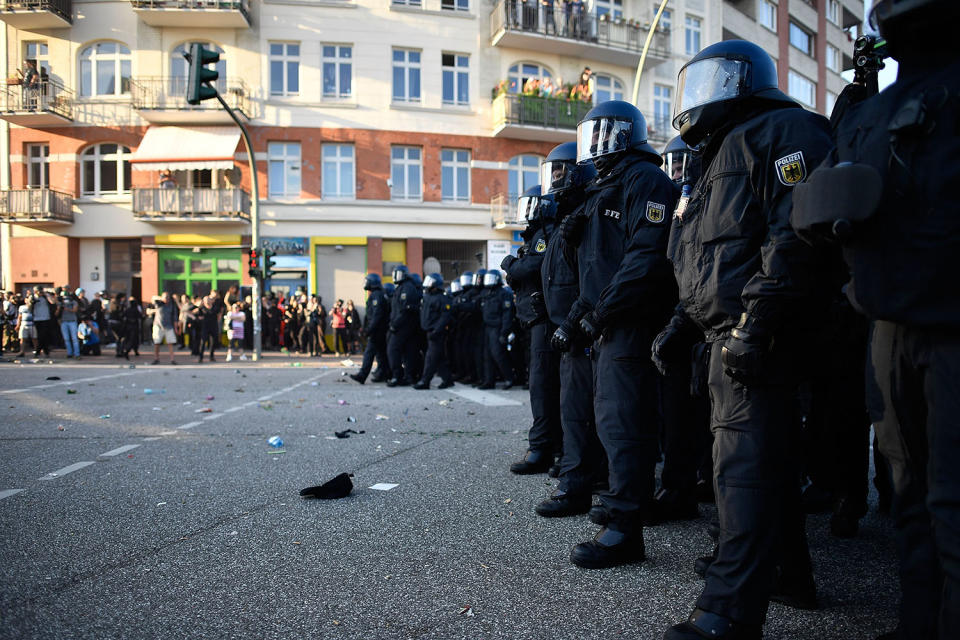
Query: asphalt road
[{"x": 173, "y": 518}]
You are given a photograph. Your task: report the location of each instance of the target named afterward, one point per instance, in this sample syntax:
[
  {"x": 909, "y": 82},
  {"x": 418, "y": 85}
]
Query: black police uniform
[
  {"x": 403, "y": 338},
  {"x": 376, "y": 322},
  {"x": 733, "y": 251},
  {"x": 461, "y": 344},
  {"x": 478, "y": 339},
  {"x": 435, "y": 320},
  {"x": 496, "y": 307}
]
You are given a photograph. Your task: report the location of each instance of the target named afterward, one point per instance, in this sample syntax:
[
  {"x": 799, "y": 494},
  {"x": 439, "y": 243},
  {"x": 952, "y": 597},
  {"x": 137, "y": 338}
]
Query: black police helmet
[
  {"x": 717, "y": 81},
  {"x": 400, "y": 273},
  {"x": 416, "y": 279},
  {"x": 389, "y": 288},
  {"x": 611, "y": 127},
  {"x": 560, "y": 172},
  {"x": 466, "y": 279},
  {"x": 528, "y": 205},
  {"x": 492, "y": 278},
  {"x": 478, "y": 277},
  {"x": 432, "y": 282},
  {"x": 372, "y": 282},
  {"x": 677, "y": 157}
]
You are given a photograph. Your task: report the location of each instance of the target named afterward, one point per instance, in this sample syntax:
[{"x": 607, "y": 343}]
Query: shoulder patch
[
  {"x": 403, "y": 296},
  {"x": 791, "y": 169},
  {"x": 541, "y": 246},
  {"x": 506, "y": 305},
  {"x": 611, "y": 213},
  {"x": 448, "y": 307},
  {"x": 656, "y": 212},
  {"x": 375, "y": 302}
]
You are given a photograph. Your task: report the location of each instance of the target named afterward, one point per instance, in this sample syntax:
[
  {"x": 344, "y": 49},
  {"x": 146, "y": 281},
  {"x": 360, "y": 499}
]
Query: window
[
  {"x": 337, "y": 71},
  {"x": 456, "y": 79},
  {"x": 284, "y": 68},
  {"x": 455, "y": 175},
  {"x": 283, "y": 160},
  {"x": 38, "y": 166},
  {"x": 38, "y": 51},
  {"x": 105, "y": 170},
  {"x": 662, "y": 105},
  {"x": 180, "y": 68},
  {"x": 692, "y": 35},
  {"x": 524, "y": 173},
  {"x": 801, "y": 39},
  {"x": 612, "y": 8},
  {"x": 831, "y": 102},
  {"x": 405, "y": 173},
  {"x": 833, "y": 11},
  {"x": 802, "y": 89},
  {"x": 408, "y": 3},
  {"x": 606, "y": 88},
  {"x": 666, "y": 18},
  {"x": 406, "y": 75},
  {"x": 833, "y": 58},
  {"x": 338, "y": 176},
  {"x": 105, "y": 69},
  {"x": 768, "y": 15},
  {"x": 455, "y": 5},
  {"x": 519, "y": 73}
]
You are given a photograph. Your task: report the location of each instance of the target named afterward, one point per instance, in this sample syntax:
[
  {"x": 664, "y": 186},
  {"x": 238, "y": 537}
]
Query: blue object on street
[{"x": 275, "y": 442}]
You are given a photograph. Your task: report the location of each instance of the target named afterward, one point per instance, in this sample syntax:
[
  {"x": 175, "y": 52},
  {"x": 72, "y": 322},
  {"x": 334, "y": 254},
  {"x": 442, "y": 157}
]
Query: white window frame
[
  {"x": 409, "y": 3},
  {"x": 41, "y": 55},
  {"x": 615, "y": 88},
  {"x": 519, "y": 167},
  {"x": 456, "y": 164},
  {"x": 342, "y": 157},
  {"x": 516, "y": 72},
  {"x": 833, "y": 58},
  {"x": 178, "y": 76},
  {"x": 662, "y": 108},
  {"x": 833, "y": 11},
  {"x": 280, "y": 153},
  {"x": 406, "y": 163},
  {"x": 42, "y": 160},
  {"x": 796, "y": 85},
  {"x": 612, "y": 8},
  {"x": 768, "y": 10},
  {"x": 408, "y": 67},
  {"x": 666, "y": 18},
  {"x": 794, "y": 28},
  {"x": 121, "y": 157},
  {"x": 338, "y": 62},
  {"x": 285, "y": 58},
  {"x": 692, "y": 29},
  {"x": 458, "y": 5},
  {"x": 460, "y": 78},
  {"x": 90, "y": 54}
]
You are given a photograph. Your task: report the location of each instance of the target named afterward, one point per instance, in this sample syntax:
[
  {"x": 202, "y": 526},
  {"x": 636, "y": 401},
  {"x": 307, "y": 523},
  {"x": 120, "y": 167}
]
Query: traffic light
[
  {"x": 268, "y": 264},
  {"x": 254, "y": 264},
  {"x": 200, "y": 78}
]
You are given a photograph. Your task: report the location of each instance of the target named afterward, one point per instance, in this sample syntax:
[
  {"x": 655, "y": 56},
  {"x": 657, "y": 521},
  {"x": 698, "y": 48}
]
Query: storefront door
[{"x": 197, "y": 273}]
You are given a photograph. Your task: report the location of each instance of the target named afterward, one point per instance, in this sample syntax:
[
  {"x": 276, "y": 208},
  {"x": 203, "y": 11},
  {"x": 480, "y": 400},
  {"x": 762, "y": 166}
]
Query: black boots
[
  {"x": 609, "y": 548},
  {"x": 703, "y": 624},
  {"x": 356, "y": 377},
  {"x": 562, "y": 504},
  {"x": 535, "y": 461},
  {"x": 670, "y": 504}
]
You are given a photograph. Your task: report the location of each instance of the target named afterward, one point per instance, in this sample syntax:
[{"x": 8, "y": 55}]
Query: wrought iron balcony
[
  {"x": 37, "y": 14},
  {"x": 46, "y": 104},
  {"x": 35, "y": 207},
  {"x": 536, "y": 118},
  {"x": 503, "y": 210},
  {"x": 533, "y": 26},
  {"x": 201, "y": 14},
  {"x": 182, "y": 204},
  {"x": 162, "y": 99}
]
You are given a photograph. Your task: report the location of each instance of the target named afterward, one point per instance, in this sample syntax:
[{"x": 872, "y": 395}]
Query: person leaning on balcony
[
  {"x": 31, "y": 85},
  {"x": 166, "y": 180},
  {"x": 548, "y": 19}
]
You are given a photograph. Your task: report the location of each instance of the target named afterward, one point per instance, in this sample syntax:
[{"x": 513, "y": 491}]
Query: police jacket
[
  {"x": 731, "y": 243},
  {"x": 496, "y": 304},
  {"x": 378, "y": 314},
  {"x": 435, "y": 313},
  {"x": 559, "y": 277},
  {"x": 901, "y": 257},
  {"x": 623, "y": 269},
  {"x": 405, "y": 306},
  {"x": 469, "y": 306},
  {"x": 523, "y": 274}
]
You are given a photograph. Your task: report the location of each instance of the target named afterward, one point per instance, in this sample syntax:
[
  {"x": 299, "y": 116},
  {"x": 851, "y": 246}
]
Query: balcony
[
  {"x": 196, "y": 14},
  {"x": 503, "y": 211},
  {"x": 31, "y": 15},
  {"x": 182, "y": 204},
  {"x": 614, "y": 41},
  {"x": 536, "y": 118},
  {"x": 162, "y": 100},
  {"x": 48, "y": 104},
  {"x": 660, "y": 131},
  {"x": 36, "y": 207}
]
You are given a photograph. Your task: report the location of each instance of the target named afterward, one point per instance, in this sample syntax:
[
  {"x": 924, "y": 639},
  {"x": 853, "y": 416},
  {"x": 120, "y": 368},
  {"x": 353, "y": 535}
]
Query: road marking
[
  {"x": 486, "y": 398},
  {"x": 59, "y": 473},
  {"x": 118, "y": 451},
  {"x": 190, "y": 425},
  {"x": 232, "y": 409},
  {"x": 152, "y": 438},
  {"x": 63, "y": 382},
  {"x": 213, "y": 416},
  {"x": 384, "y": 486},
  {"x": 6, "y": 493}
]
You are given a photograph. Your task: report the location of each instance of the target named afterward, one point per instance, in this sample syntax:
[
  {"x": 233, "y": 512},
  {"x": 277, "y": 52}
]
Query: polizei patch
[
  {"x": 791, "y": 169},
  {"x": 541, "y": 246},
  {"x": 656, "y": 212}
]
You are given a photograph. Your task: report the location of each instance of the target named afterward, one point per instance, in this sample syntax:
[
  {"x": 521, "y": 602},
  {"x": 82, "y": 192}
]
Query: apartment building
[{"x": 384, "y": 132}]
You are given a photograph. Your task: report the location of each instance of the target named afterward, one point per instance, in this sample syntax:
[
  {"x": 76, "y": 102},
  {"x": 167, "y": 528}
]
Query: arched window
[
  {"x": 523, "y": 71},
  {"x": 606, "y": 88},
  {"x": 524, "y": 173},
  {"x": 105, "y": 69},
  {"x": 105, "y": 170},
  {"x": 180, "y": 68}
]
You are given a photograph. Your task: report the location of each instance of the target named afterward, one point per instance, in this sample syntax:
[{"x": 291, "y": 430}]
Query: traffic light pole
[{"x": 255, "y": 229}]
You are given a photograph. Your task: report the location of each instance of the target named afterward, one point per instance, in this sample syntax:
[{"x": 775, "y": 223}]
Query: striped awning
[{"x": 186, "y": 148}]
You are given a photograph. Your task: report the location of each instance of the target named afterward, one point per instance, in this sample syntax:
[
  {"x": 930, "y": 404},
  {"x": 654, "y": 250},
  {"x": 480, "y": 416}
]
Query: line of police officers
[{"x": 713, "y": 305}]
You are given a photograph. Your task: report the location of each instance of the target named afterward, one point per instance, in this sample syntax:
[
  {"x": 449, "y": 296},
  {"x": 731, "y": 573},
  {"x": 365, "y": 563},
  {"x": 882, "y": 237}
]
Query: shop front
[{"x": 195, "y": 264}]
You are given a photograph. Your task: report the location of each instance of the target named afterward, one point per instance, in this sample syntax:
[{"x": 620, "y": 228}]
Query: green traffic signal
[
  {"x": 200, "y": 78},
  {"x": 268, "y": 264}
]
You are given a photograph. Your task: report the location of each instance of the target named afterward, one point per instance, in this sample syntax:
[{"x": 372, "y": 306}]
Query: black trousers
[
  {"x": 45, "y": 335},
  {"x": 913, "y": 391},
  {"x": 435, "y": 361},
  {"x": 686, "y": 435},
  {"x": 479, "y": 343},
  {"x": 546, "y": 433},
  {"x": 756, "y": 481},
  {"x": 376, "y": 348},
  {"x": 625, "y": 406},
  {"x": 495, "y": 357},
  {"x": 403, "y": 353},
  {"x": 584, "y": 460}
]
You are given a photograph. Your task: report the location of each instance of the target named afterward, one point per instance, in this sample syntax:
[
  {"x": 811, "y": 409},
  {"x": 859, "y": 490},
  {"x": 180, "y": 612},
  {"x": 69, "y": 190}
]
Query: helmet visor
[
  {"x": 455, "y": 286},
  {"x": 527, "y": 208},
  {"x": 398, "y": 275},
  {"x": 556, "y": 175},
  {"x": 602, "y": 136},
  {"x": 676, "y": 164},
  {"x": 490, "y": 278},
  {"x": 429, "y": 282},
  {"x": 466, "y": 280},
  {"x": 709, "y": 80}
]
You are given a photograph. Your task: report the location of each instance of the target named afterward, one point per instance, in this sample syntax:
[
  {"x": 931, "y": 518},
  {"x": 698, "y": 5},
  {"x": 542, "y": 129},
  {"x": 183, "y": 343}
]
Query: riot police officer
[
  {"x": 402, "y": 342},
  {"x": 479, "y": 337},
  {"x": 545, "y": 437},
  {"x": 454, "y": 290},
  {"x": 496, "y": 307},
  {"x": 375, "y": 324},
  {"x": 753, "y": 288},
  {"x": 626, "y": 293},
  {"x": 680, "y": 162},
  {"x": 465, "y": 315},
  {"x": 892, "y": 185},
  {"x": 435, "y": 320}
]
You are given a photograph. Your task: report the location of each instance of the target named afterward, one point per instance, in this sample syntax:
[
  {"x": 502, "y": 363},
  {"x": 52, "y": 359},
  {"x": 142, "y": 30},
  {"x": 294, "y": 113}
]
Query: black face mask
[{"x": 606, "y": 164}]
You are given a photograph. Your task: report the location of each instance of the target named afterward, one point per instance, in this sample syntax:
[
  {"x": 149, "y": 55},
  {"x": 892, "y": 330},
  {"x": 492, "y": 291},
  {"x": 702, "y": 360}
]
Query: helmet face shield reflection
[
  {"x": 709, "y": 80},
  {"x": 455, "y": 286},
  {"x": 429, "y": 282},
  {"x": 602, "y": 136},
  {"x": 676, "y": 164},
  {"x": 490, "y": 279},
  {"x": 555, "y": 175},
  {"x": 527, "y": 208},
  {"x": 466, "y": 280}
]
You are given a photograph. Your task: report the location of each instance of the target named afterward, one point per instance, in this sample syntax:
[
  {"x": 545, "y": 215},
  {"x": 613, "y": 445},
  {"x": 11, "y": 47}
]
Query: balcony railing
[
  {"x": 503, "y": 210},
  {"x": 168, "y": 93},
  {"x": 37, "y": 14},
  {"x": 35, "y": 205},
  {"x": 46, "y": 103},
  {"x": 196, "y": 13},
  {"x": 191, "y": 204},
  {"x": 551, "y": 113}
]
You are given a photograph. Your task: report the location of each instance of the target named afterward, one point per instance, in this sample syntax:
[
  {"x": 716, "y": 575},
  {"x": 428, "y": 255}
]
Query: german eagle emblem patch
[
  {"x": 791, "y": 169},
  {"x": 656, "y": 212},
  {"x": 541, "y": 246}
]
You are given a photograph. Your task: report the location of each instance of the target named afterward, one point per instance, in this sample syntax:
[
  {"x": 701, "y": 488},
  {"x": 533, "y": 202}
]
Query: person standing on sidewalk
[
  {"x": 69, "y": 308},
  {"x": 166, "y": 319},
  {"x": 235, "y": 332}
]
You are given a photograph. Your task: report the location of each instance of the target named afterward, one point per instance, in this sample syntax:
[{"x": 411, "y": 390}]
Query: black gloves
[
  {"x": 744, "y": 352},
  {"x": 571, "y": 229},
  {"x": 591, "y": 325},
  {"x": 506, "y": 262},
  {"x": 523, "y": 250},
  {"x": 671, "y": 344},
  {"x": 562, "y": 337}
]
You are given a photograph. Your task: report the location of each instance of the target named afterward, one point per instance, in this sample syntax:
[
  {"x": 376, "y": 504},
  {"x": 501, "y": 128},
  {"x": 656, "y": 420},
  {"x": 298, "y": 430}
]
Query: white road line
[
  {"x": 59, "y": 473},
  {"x": 190, "y": 425},
  {"x": 152, "y": 438},
  {"x": 6, "y": 493},
  {"x": 118, "y": 451},
  {"x": 213, "y": 416},
  {"x": 63, "y": 382},
  {"x": 232, "y": 409},
  {"x": 486, "y": 398}
]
